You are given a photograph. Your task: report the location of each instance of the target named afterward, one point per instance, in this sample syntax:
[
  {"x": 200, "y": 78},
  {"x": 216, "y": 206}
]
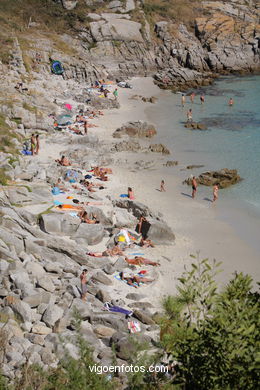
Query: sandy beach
[{"x": 196, "y": 223}]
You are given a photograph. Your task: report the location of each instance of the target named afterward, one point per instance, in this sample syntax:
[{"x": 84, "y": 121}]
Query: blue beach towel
[
  {"x": 123, "y": 196},
  {"x": 57, "y": 202},
  {"x": 73, "y": 214},
  {"x": 136, "y": 254}
]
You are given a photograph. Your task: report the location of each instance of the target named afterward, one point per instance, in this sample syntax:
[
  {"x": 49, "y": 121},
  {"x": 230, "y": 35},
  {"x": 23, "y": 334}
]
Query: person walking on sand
[
  {"x": 37, "y": 138},
  {"x": 33, "y": 144},
  {"x": 192, "y": 96},
  {"x": 83, "y": 282},
  {"x": 202, "y": 99},
  {"x": 189, "y": 115},
  {"x": 194, "y": 187},
  {"x": 231, "y": 102},
  {"x": 183, "y": 100},
  {"x": 162, "y": 189},
  {"x": 115, "y": 93},
  {"x": 215, "y": 193}
]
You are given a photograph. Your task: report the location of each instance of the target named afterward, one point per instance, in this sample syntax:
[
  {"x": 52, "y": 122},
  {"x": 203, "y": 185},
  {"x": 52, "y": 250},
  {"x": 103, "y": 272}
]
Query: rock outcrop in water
[
  {"x": 225, "y": 178},
  {"x": 136, "y": 129}
]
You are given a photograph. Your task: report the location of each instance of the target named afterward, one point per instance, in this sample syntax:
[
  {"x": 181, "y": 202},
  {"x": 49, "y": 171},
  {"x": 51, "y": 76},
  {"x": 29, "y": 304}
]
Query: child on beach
[
  {"x": 215, "y": 192},
  {"x": 189, "y": 115},
  {"x": 162, "y": 189}
]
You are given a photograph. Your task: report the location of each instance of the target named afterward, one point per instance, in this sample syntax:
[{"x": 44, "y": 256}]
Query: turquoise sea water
[{"x": 231, "y": 141}]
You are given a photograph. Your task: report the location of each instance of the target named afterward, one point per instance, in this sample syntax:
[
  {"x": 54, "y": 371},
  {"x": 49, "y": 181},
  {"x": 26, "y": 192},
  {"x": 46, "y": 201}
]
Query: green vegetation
[
  {"x": 214, "y": 336},
  {"x": 6, "y": 44},
  {"x": 6, "y": 139},
  {"x": 4, "y": 178},
  {"x": 171, "y": 10},
  {"x": 27, "y": 107}
]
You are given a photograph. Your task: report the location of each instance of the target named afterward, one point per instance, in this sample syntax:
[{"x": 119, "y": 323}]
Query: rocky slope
[{"x": 122, "y": 39}]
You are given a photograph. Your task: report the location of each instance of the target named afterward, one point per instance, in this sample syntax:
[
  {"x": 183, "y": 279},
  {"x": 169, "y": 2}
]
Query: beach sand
[{"x": 196, "y": 223}]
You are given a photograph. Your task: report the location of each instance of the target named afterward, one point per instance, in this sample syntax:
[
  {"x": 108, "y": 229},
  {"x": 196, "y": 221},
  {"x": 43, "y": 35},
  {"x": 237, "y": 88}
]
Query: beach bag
[
  {"x": 133, "y": 326},
  {"x": 55, "y": 191}
]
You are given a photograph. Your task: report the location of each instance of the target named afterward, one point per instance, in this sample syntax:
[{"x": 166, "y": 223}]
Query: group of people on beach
[{"x": 194, "y": 185}]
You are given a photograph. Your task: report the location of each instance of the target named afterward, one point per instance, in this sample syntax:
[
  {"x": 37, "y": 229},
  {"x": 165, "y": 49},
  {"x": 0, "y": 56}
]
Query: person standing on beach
[
  {"x": 85, "y": 127},
  {"x": 37, "y": 138},
  {"x": 115, "y": 93},
  {"x": 183, "y": 100},
  {"x": 83, "y": 282},
  {"x": 202, "y": 99},
  {"x": 194, "y": 187},
  {"x": 192, "y": 96},
  {"x": 162, "y": 189},
  {"x": 215, "y": 192},
  {"x": 231, "y": 102},
  {"x": 33, "y": 144},
  {"x": 189, "y": 115}
]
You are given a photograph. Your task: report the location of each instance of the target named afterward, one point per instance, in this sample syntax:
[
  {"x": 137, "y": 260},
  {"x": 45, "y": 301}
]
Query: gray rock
[
  {"x": 135, "y": 296},
  {"x": 143, "y": 317},
  {"x": 39, "y": 297},
  {"x": 46, "y": 283},
  {"x": 41, "y": 328},
  {"x": 52, "y": 314},
  {"x": 103, "y": 296},
  {"x": 93, "y": 234},
  {"x": 83, "y": 308},
  {"x": 22, "y": 309},
  {"x": 102, "y": 278}
]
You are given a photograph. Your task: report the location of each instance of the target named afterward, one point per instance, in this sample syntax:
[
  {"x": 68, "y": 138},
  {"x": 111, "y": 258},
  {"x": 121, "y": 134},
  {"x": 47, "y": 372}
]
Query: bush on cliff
[{"x": 214, "y": 336}]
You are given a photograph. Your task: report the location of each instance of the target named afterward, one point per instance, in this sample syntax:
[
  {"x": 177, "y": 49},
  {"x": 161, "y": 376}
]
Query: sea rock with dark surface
[
  {"x": 158, "y": 148},
  {"x": 195, "y": 126},
  {"x": 224, "y": 178},
  {"x": 136, "y": 129}
]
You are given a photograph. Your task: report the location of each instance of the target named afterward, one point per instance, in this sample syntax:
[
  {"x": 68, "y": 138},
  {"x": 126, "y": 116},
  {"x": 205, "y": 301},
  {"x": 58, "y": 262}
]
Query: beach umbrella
[{"x": 68, "y": 106}]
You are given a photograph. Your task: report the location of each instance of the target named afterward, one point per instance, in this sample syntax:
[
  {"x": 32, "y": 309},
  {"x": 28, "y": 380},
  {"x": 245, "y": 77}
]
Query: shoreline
[{"x": 198, "y": 227}]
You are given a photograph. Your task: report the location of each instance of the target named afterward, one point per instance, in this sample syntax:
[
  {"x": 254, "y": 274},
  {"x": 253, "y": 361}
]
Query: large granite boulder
[
  {"x": 117, "y": 30},
  {"x": 136, "y": 129},
  {"x": 224, "y": 178}
]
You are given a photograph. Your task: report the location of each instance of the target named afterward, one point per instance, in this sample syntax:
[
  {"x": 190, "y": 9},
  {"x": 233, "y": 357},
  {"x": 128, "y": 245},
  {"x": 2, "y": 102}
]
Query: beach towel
[
  {"x": 57, "y": 202},
  {"x": 73, "y": 214},
  {"x": 123, "y": 196},
  {"x": 68, "y": 106},
  {"x": 136, "y": 254},
  {"x": 88, "y": 176},
  {"x": 117, "y": 309},
  {"x": 26, "y": 152},
  {"x": 55, "y": 191},
  {"x": 133, "y": 326}
]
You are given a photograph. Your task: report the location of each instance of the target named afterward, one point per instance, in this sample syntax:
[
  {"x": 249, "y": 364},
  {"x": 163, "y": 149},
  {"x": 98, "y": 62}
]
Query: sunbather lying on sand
[
  {"x": 64, "y": 161},
  {"x": 85, "y": 218},
  {"x": 115, "y": 251},
  {"x": 146, "y": 243},
  {"x": 97, "y": 171},
  {"x": 131, "y": 280},
  {"x": 60, "y": 185},
  {"x": 138, "y": 260}
]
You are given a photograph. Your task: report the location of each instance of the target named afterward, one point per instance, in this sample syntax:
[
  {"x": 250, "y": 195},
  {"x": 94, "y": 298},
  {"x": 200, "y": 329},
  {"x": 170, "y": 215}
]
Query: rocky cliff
[{"x": 119, "y": 39}]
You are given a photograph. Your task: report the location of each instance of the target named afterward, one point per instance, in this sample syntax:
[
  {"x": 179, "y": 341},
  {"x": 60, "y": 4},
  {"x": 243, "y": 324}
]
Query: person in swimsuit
[
  {"x": 230, "y": 102},
  {"x": 215, "y": 192},
  {"x": 83, "y": 282},
  {"x": 183, "y": 100},
  {"x": 130, "y": 193},
  {"x": 162, "y": 189},
  {"x": 138, "y": 260},
  {"x": 194, "y": 187},
  {"x": 189, "y": 115},
  {"x": 33, "y": 144},
  {"x": 192, "y": 96},
  {"x": 135, "y": 280},
  {"x": 202, "y": 99},
  {"x": 37, "y": 138}
]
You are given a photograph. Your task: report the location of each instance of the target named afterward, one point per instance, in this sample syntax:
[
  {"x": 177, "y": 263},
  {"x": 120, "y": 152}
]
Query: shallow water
[{"x": 231, "y": 141}]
